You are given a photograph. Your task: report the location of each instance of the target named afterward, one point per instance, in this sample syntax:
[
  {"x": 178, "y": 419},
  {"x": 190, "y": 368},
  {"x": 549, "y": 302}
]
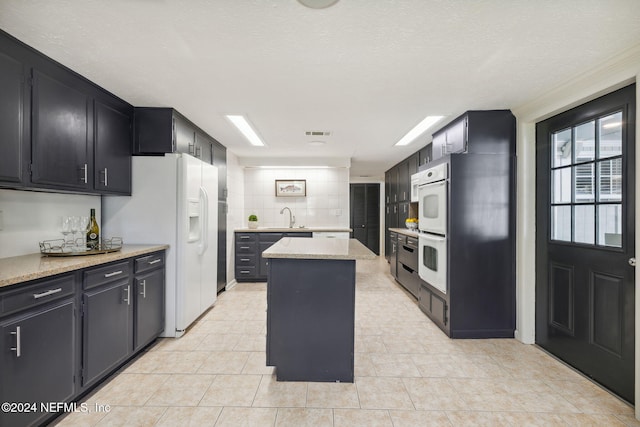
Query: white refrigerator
[{"x": 174, "y": 202}]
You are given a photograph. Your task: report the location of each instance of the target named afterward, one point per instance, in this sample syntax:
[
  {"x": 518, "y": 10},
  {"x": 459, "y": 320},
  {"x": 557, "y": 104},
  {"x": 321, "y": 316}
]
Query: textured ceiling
[{"x": 366, "y": 70}]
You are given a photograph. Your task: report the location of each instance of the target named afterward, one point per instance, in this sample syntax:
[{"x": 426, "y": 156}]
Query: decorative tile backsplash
[{"x": 326, "y": 203}]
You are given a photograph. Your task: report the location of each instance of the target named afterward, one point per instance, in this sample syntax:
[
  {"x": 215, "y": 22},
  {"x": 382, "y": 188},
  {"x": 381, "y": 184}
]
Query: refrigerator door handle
[{"x": 204, "y": 221}]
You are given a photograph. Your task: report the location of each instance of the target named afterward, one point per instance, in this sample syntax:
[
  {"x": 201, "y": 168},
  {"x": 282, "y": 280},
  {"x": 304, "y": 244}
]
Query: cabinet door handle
[
  {"x": 47, "y": 293},
  {"x": 155, "y": 261},
  {"x": 115, "y": 273},
  {"x": 128, "y": 292},
  {"x": 244, "y": 247},
  {"x": 105, "y": 172},
  {"x": 84, "y": 179},
  {"x": 18, "y": 346},
  {"x": 143, "y": 285},
  {"x": 245, "y": 259},
  {"x": 245, "y": 237}
]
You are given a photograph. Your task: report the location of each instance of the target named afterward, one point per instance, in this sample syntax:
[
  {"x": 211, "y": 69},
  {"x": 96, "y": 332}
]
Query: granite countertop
[
  {"x": 35, "y": 266},
  {"x": 292, "y": 230},
  {"x": 406, "y": 232},
  {"x": 310, "y": 248}
]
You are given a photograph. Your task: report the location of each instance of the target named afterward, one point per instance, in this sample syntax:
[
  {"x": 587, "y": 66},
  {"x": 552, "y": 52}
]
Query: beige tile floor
[{"x": 408, "y": 373}]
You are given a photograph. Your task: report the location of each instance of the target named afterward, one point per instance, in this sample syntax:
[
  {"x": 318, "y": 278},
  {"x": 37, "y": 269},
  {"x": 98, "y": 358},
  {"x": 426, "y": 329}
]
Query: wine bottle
[{"x": 93, "y": 232}]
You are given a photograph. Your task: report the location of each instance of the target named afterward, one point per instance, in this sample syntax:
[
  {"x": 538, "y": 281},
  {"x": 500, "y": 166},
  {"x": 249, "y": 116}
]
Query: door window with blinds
[{"x": 586, "y": 182}]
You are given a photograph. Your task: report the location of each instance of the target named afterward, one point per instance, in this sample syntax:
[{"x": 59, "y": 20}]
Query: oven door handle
[{"x": 432, "y": 238}]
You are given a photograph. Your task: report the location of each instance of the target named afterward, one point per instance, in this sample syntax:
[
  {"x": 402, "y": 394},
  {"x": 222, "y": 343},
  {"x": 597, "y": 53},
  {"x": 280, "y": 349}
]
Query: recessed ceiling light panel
[
  {"x": 318, "y": 4},
  {"x": 418, "y": 130},
  {"x": 245, "y": 128}
]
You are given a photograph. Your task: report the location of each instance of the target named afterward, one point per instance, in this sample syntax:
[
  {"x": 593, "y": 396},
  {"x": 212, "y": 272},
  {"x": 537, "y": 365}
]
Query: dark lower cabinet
[
  {"x": 149, "y": 299},
  {"x": 106, "y": 327},
  {"x": 250, "y": 266},
  {"x": 405, "y": 267},
  {"x": 434, "y": 306},
  {"x": 38, "y": 358},
  {"x": 61, "y": 336},
  {"x": 393, "y": 253}
]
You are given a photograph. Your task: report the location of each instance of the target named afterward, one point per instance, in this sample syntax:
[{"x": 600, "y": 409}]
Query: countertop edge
[
  {"x": 405, "y": 231},
  {"x": 357, "y": 251},
  {"x": 293, "y": 230},
  {"x": 68, "y": 264}
]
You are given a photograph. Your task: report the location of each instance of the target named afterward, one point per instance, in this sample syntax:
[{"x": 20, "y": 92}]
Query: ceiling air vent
[{"x": 317, "y": 133}]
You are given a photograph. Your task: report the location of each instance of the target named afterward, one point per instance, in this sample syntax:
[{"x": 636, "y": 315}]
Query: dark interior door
[
  {"x": 365, "y": 214},
  {"x": 585, "y": 213}
]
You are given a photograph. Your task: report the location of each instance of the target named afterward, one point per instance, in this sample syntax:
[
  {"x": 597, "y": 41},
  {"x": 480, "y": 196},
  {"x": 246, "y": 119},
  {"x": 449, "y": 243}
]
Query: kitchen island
[{"x": 311, "y": 308}]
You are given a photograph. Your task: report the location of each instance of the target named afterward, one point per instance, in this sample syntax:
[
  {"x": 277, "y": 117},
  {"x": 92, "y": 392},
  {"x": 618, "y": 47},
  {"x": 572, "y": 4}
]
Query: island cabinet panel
[
  {"x": 310, "y": 319},
  {"x": 11, "y": 119},
  {"x": 38, "y": 341}
]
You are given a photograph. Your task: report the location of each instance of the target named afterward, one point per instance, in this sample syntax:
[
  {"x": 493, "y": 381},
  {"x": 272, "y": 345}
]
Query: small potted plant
[{"x": 253, "y": 221}]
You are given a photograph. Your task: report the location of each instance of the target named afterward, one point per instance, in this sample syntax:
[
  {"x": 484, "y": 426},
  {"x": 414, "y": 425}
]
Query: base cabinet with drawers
[
  {"x": 61, "y": 336},
  {"x": 38, "y": 358},
  {"x": 249, "y": 264},
  {"x": 404, "y": 261}
]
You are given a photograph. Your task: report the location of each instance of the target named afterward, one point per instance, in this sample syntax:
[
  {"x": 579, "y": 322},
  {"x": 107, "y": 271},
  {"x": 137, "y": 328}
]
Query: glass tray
[{"x": 61, "y": 248}]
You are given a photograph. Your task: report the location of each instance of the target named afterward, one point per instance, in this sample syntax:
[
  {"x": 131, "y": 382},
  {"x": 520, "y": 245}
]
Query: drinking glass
[
  {"x": 65, "y": 228},
  {"x": 84, "y": 223},
  {"x": 75, "y": 226}
]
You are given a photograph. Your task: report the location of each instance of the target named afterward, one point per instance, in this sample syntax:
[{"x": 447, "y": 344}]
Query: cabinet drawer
[
  {"x": 36, "y": 294},
  {"x": 149, "y": 262},
  {"x": 245, "y": 237},
  {"x": 245, "y": 260},
  {"x": 245, "y": 272},
  {"x": 409, "y": 279},
  {"x": 99, "y": 276},
  {"x": 245, "y": 247},
  {"x": 270, "y": 237},
  {"x": 408, "y": 256}
]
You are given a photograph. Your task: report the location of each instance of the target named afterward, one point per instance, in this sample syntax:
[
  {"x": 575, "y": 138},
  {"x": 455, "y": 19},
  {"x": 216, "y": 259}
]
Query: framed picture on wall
[{"x": 291, "y": 187}]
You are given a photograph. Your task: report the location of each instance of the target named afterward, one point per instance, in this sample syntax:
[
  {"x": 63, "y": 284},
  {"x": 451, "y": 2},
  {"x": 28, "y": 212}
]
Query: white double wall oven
[{"x": 432, "y": 223}]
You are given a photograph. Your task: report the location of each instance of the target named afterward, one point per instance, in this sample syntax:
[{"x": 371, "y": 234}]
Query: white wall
[
  {"x": 235, "y": 209},
  {"x": 326, "y": 203},
  {"x": 28, "y": 217}
]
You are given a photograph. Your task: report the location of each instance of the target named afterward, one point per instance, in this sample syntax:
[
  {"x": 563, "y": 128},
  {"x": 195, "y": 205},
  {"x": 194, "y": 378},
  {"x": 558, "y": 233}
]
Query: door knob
[{"x": 632, "y": 262}]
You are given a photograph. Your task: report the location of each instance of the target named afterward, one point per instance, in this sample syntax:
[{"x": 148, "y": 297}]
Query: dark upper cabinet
[
  {"x": 56, "y": 129},
  {"x": 451, "y": 139},
  {"x": 476, "y": 132},
  {"x": 11, "y": 119},
  {"x": 424, "y": 156},
  {"x": 112, "y": 149},
  {"x": 165, "y": 130},
  {"x": 61, "y": 141},
  {"x": 219, "y": 153}
]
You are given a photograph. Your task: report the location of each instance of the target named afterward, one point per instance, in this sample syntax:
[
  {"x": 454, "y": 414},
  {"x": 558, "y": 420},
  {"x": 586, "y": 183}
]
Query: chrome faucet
[{"x": 292, "y": 218}]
